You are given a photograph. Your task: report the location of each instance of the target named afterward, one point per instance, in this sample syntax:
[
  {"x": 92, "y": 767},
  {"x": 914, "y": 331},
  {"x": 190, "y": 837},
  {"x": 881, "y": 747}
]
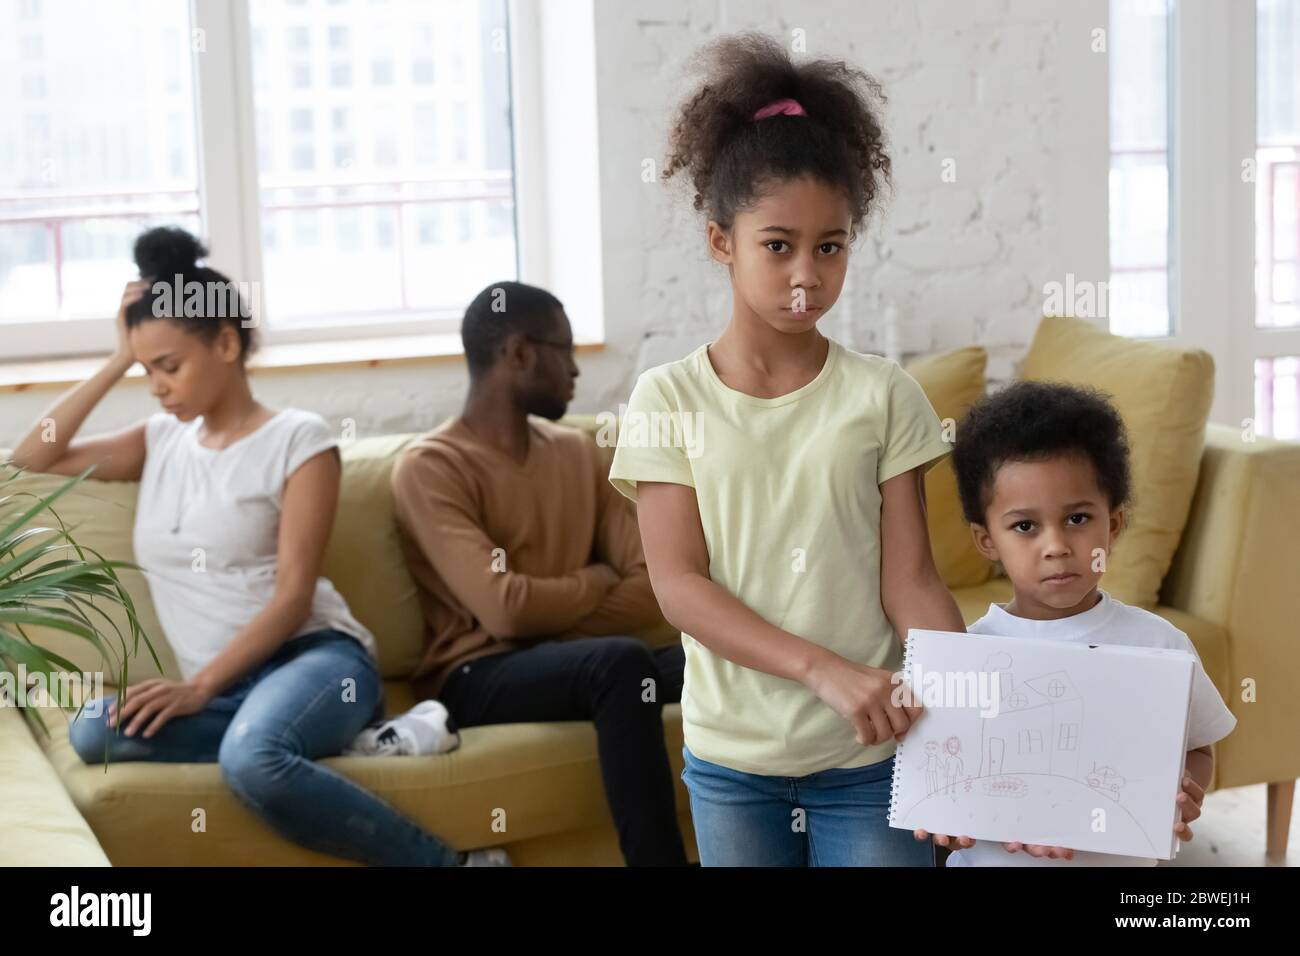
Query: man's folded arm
[
  {"x": 630, "y": 606},
  {"x": 436, "y": 510}
]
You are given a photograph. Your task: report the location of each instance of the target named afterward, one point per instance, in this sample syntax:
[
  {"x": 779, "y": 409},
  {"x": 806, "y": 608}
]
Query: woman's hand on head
[
  {"x": 863, "y": 696},
  {"x": 132, "y": 293}
]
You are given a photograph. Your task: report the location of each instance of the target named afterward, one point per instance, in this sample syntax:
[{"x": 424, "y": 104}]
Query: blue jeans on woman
[
  {"x": 833, "y": 818},
  {"x": 267, "y": 730}
]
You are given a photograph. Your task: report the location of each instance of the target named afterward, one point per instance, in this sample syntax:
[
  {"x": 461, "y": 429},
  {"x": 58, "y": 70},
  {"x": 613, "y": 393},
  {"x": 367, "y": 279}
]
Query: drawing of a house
[{"x": 1036, "y": 729}]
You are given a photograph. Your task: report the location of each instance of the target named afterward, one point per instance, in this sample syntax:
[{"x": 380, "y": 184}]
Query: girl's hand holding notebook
[{"x": 863, "y": 696}]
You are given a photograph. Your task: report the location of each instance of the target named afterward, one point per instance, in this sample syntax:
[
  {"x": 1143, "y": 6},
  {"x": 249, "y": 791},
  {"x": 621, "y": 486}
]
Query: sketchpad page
[{"x": 1047, "y": 742}]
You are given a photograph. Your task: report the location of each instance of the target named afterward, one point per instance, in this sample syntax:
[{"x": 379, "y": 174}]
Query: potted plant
[{"x": 48, "y": 580}]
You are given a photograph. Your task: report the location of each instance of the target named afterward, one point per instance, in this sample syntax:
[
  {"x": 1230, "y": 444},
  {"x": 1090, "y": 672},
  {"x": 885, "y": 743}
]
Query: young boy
[{"x": 1043, "y": 474}]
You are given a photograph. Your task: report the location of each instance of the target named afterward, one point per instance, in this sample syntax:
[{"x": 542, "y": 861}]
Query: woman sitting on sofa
[{"x": 235, "y": 508}]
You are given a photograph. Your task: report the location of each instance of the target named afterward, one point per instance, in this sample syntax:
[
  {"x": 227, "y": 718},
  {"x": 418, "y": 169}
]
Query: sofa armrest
[
  {"x": 41, "y": 826},
  {"x": 1236, "y": 566}
]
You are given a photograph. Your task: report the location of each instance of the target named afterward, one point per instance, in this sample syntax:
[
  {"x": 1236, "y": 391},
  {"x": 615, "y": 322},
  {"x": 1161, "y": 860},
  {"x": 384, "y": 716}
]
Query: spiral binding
[{"x": 895, "y": 780}]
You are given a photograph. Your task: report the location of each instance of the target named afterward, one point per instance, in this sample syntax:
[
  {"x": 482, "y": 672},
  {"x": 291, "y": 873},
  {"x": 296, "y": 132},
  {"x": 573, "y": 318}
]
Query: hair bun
[{"x": 167, "y": 250}]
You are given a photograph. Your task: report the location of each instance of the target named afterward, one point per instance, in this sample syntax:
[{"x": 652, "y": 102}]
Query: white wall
[
  {"x": 986, "y": 83},
  {"x": 980, "y": 82}
]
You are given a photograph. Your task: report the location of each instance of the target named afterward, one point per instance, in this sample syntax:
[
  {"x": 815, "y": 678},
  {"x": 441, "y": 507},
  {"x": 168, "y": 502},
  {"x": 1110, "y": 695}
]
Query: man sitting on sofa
[{"x": 530, "y": 568}]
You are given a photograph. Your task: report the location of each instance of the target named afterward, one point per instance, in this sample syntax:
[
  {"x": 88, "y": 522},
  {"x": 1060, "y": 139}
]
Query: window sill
[{"x": 20, "y": 376}]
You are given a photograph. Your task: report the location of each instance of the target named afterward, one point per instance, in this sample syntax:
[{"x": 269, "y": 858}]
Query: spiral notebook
[{"x": 1075, "y": 745}]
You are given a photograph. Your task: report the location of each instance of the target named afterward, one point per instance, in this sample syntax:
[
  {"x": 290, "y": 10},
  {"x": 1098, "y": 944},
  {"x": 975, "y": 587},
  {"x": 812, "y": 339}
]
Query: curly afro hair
[
  {"x": 1034, "y": 421},
  {"x": 731, "y": 157}
]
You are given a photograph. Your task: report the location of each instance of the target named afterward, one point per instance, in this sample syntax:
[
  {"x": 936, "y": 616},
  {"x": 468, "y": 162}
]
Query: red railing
[
  {"x": 491, "y": 187},
  {"x": 500, "y": 188},
  {"x": 55, "y": 219}
]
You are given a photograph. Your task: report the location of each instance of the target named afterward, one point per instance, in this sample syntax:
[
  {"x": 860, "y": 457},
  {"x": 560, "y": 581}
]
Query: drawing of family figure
[{"x": 943, "y": 770}]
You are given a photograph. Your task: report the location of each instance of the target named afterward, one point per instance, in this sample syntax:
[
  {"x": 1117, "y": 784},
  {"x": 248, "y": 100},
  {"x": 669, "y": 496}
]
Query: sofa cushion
[
  {"x": 604, "y": 430},
  {"x": 544, "y": 776},
  {"x": 364, "y": 557},
  {"x": 973, "y": 602},
  {"x": 1163, "y": 394},
  {"x": 953, "y": 381},
  {"x": 100, "y": 515}
]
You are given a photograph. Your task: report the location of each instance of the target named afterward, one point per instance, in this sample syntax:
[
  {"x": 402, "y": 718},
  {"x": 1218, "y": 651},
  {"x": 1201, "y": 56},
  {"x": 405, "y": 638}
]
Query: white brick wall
[{"x": 948, "y": 264}]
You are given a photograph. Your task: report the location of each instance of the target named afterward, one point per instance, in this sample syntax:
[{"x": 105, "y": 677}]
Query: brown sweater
[{"x": 459, "y": 500}]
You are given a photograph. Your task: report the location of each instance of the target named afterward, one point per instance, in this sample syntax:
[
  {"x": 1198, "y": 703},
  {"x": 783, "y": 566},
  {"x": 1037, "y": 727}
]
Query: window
[
  {"x": 422, "y": 70},
  {"x": 103, "y": 153},
  {"x": 391, "y": 160},
  {"x": 1139, "y": 168},
  {"x": 425, "y": 124},
  {"x": 1277, "y": 214},
  {"x": 1205, "y": 193},
  {"x": 349, "y": 175},
  {"x": 1068, "y": 738}
]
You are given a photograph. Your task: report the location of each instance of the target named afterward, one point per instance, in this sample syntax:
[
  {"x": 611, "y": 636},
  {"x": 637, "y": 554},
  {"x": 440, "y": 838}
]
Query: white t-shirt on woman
[{"x": 207, "y": 531}]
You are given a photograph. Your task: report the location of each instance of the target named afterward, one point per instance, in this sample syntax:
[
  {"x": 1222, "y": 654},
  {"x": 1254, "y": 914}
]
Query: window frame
[
  {"x": 1212, "y": 252},
  {"x": 229, "y": 203}
]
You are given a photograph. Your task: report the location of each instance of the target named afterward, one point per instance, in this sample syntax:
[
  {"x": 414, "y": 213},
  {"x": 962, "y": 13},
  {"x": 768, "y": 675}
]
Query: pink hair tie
[{"x": 788, "y": 107}]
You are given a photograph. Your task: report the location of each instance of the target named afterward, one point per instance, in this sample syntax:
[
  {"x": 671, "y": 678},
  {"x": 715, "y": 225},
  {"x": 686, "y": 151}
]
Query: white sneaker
[
  {"x": 490, "y": 856},
  {"x": 424, "y": 729}
]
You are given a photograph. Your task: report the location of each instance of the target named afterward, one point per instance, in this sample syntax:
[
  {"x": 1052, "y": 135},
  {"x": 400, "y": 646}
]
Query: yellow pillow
[
  {"x": 100, "y": 515},
  {"x": 1163, "y": 394},
  {"x": 606, "y": 435},
  {"x": 953, "y": 381},
  {"x": 364, "y": 557}
]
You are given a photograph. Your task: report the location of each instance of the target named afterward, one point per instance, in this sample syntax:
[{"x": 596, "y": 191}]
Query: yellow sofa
[
  {"x": 39, "y": 823},
  {"x": 1230, "y": 588}
]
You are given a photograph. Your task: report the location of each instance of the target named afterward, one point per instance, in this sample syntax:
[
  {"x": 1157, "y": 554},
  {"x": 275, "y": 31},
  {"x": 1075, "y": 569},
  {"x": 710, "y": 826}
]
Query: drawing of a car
[{"x": 1104, "y": 778}]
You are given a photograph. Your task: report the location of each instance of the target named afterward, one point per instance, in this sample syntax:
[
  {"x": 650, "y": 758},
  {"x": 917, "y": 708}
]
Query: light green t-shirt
[{"x": 789, "y": 499}]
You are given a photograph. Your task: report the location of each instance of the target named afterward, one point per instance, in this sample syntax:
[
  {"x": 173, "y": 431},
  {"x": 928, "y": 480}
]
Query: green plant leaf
[
  {"x": 41, "y": 586},
  {"x": 43, "y": 504}
]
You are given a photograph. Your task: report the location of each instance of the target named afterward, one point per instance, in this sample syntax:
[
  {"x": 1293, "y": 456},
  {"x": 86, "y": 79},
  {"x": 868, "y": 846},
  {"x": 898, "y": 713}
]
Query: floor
[{"x": 1231, "y": 832}]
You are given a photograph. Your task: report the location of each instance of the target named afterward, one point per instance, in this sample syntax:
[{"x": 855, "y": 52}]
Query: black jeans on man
[{"x": 601, "y": 679}]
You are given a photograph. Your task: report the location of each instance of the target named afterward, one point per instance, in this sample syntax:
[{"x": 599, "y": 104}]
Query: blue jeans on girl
[
  {"x": 748, "y": 819},
  {"x": 266, "y": 731}
]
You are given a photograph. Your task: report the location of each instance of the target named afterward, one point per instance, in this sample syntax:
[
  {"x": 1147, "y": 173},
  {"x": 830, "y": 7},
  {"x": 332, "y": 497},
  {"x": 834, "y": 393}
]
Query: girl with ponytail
[{"x": 789, "y": 543}]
